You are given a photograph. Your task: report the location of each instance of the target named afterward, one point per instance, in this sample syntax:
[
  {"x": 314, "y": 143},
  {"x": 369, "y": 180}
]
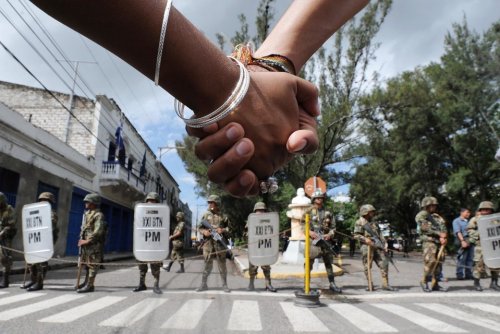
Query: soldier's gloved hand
[
  {"x": 206, "y": 233},
  {"x": 277, "y": 119},
  {"x": 313, "y": 234},
  {"x": 368, "y": 241}
]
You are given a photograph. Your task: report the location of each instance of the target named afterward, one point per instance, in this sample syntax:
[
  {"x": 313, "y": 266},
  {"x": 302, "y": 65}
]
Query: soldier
[
  {"x": 38, "y": 270},
  {"x": 259, "y": 207},
  {"x": 151, "y": 197},
  {"x": 367, "y": 231},
  {"x": 212, "y": 248},
  {"x": 433, "y": 235},
  {"x": 90, "y": 241},
  {"x": 177, "y": 244},
  {"x": 322, "y": 225},
  {"x": 7, "y": 232},
  {"x": 485, "y": 208}
]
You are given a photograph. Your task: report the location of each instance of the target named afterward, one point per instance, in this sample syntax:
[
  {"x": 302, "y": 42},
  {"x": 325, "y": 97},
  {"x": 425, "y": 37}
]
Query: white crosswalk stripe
[
  {"x": 189, "y": 315},
  {"x": 32, "y": 308},
  {"x": 83, "y": 310},
  {"x": 370, "y": 323},
  {"x": 20, "y": 297},
  {"x": 484, "y": 307},
  {"x": 420, "y": 319},
  {"x": 241, "y": 312},
  {"x": 462, "y": 316},
  {"x": 134, "y": 313},
  {"x": 302, "y": 319}
]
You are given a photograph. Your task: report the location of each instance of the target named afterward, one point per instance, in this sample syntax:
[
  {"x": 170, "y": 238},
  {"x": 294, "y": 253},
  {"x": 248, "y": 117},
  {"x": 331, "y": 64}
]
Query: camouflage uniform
[
  {"x": 322, "y": 222},
  {"x": 177, "y": 244},
  {"x": 479, "y": 266},
  {"x": 432, "y": 226},
  {"x": 7, "y": 232},
  {"x": 214, "y": 249},
  {"x": 39, "y": 270}
]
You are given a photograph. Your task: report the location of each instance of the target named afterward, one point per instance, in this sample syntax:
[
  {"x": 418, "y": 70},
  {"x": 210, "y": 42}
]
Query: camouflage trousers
[
  {"x": 429, "y": 252},
  {"x": 252, "y": 270},
  {"x": 378, "y": 257},
  {"x": 5, "y": 257},
  {"x": 155, "y": 269},
  {"x": 315, "y": 252},
  {"x": 92, "y": 257},
  {"x": 38, "y": 270},
  {"x": 480, "y": 267},
  {"x": 214, "y": 250},
  {"x": 177, "y": 252}
]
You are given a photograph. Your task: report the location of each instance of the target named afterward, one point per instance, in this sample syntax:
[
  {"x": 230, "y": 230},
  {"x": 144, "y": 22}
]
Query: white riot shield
[
  {"x": 489, "y": 231},
  {"x": 263, "y": 238},
  {"x": 151, "y": 232},
  {"x": 37, "y": 232}
]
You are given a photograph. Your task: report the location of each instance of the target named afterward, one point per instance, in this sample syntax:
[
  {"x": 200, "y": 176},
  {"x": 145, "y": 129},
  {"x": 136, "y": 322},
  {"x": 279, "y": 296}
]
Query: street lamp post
[{"x": 162, "y": 149}]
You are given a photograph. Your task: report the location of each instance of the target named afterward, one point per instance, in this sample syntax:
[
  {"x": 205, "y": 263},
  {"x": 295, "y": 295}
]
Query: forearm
[
  {"x": 192, "y": 69},
  {"x": 306, "y": 26}
]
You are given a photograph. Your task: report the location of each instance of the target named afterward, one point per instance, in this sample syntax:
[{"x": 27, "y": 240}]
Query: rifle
[
  {"x": 321, "y": 242},
  {"x": 378, "y": 243},
  {"x": 217, "y": 237}
]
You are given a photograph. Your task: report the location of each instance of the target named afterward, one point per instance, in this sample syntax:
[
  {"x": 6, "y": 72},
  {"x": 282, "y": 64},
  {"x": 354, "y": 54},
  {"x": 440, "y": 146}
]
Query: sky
[{"x": 411, "y": 36}]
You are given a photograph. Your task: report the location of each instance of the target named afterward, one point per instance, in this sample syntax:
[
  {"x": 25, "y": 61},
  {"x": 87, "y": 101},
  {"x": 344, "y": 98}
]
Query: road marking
[
  {"x": 245, "y": 316},
  {"x": 20, "y": 297},
  {"x": 362, "y": 319},
  {"x": 134, "y": 313},
  {"x": 462, "y": 316},
  {"x": 32, "y": 308},
  {"x": 302, "y": 319},
  {"x": 188, "y": 316},
  {"x": 484, "y": 307},
  {"x": 420, "y": 319},
  {"x": 3, "y": 292},
  {"x": 82, "y": 310}
]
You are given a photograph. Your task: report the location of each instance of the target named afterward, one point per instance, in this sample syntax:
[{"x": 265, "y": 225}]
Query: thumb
[
  {"x": 307, "y": 96},
  {"x": 305, "y": 140}
]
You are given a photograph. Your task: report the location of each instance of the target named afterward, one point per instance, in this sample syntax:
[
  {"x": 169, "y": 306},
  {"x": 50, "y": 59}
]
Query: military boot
[
  {"x": 203, "y": 286},
  {"x": 269, "y": 286},
  {"x": 169, "y": 266},
  {"x": 424, "y": 286},
  {"x": 477, "y": 285},
  {"x": 251, "y": 286},
  {"x": 386, "y": 286},
  {"x": 438, "y": 287},
  {"x": 85, "y": 281},
  {"x": 156, "y": 286},
  {"x": 32, "y": 278},
  {"x": 89, "y": 287},
  {"x": 39, "y": 283},
  {"x": 5, "y": 281},
  {"x": 494, "y": 284},
  {"x": 333, "y": 286},
  {"x": 141, "y": 286},
  {"x": 181, "y": 270}
]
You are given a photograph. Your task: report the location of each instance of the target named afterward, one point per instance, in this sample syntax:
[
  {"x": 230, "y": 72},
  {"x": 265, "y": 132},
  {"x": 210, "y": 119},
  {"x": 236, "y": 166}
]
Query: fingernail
[
  {"x": 245, "y": 180},
  {"x": 302, "y": 145},
  {"x": 243, "y": 148},
  {"x": 232, "y": 133}
]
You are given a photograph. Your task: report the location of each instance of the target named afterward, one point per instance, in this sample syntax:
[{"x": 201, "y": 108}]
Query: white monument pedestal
[{"x": 294, "y": 253}]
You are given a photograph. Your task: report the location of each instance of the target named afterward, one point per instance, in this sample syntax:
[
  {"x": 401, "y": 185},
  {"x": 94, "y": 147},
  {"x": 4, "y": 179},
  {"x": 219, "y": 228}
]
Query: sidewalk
[{"x": 281, "y": 270}]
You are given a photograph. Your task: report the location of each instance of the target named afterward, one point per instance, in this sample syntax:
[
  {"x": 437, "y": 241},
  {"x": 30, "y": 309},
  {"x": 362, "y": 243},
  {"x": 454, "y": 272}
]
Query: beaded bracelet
[
  {"x": 163, "y": 32},
  {"x": 272, "y": 62},
  {"x": 231, "y": 103}
]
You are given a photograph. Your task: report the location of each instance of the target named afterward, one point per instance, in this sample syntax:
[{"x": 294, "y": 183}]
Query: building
[{"x": 93, "y": 148}]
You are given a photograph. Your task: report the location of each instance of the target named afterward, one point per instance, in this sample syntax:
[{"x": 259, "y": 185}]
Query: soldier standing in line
[
  {"x": 7, "y": 232},
  {"x": 151, "y": 197},
  {"x": 363, "y": 229},
  {"x": 433, "y": 234},
  {"x": 212, "y": 248},
  {"x": 259, "y": 207},
  {"x": 90, "y": 241},
  {"x": 485, "y": 208},
  {"x": 322, "y": 226},
  {"x": 38, "y": 270},
  {"x": 177, "y": 244}
]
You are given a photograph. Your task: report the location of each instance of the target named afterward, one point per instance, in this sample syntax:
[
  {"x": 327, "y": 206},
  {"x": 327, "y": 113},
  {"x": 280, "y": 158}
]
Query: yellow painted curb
[{"x": 314, "y": 274}]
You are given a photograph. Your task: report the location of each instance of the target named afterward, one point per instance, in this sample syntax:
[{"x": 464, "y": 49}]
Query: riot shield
[
  {"x": 151, "y": 232},
  {"x": 37, "y": 232},
  {"x": 263, "y": 238},
  {"x": 489, "y": 231}
]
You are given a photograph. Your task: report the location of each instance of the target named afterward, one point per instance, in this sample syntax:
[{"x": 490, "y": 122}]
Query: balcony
[{"x": 117, "y": 178}]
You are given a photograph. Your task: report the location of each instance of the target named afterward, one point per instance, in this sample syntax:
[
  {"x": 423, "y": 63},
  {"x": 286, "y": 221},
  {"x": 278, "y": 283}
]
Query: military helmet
[
  {"x": 429, "y": 200},
  {"x": 152, "y": 196},
  {"x": 318, "y": 194},
  {"x": 214, "y": 198},
  {"x": 259, "y": 206},
  {"x": 93, "y": 198},
  {"x": 486, "y": 205},
  {"x": 48, "y": 196},
  {"x": 365, "y": 209},
  {"x": 3, "y": 198},
  {"x": 180, "y": 215}
]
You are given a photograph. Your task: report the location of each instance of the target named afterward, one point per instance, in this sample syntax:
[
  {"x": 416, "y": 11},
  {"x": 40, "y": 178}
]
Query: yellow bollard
[{"x": 307, "y": 266}]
